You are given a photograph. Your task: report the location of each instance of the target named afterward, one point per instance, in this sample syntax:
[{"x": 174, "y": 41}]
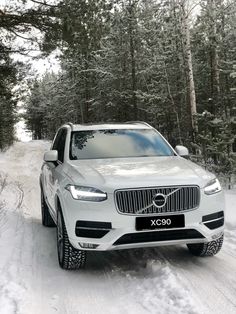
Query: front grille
[
  {"x": 140, "y": 201},
  {"x": 155, "y": 236}
]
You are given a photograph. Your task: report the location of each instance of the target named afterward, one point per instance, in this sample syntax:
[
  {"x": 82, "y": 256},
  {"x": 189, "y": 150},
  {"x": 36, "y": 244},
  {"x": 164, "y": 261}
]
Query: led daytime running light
[{"x": 84, "y": 193}]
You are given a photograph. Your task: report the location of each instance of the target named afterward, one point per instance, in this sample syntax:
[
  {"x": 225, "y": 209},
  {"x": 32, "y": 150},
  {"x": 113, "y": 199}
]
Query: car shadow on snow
[{"x": 140, "y": 259}]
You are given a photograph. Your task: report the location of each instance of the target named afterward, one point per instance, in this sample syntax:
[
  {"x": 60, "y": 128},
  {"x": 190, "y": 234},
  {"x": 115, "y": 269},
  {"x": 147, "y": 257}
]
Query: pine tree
[
  {"x": 17, "y": 22},
  {"x": 7, "y": 103}
]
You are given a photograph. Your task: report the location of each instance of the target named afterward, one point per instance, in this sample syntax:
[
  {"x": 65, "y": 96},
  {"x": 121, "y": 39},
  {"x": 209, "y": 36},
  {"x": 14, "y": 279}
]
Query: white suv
[{"x": 121, "y": 186}]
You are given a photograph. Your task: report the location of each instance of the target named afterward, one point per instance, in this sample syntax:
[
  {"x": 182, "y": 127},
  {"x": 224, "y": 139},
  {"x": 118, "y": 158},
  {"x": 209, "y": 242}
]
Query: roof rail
[
  {"x": 70, "y": 124},
  {"x": 140, "y": 122}
]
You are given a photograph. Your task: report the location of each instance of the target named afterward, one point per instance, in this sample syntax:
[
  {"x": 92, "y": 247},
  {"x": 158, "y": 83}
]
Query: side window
[{"x": 59, "y": 143}]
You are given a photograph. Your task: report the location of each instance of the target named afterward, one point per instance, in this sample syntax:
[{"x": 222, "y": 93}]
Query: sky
[{"x": 42, "y": 65}]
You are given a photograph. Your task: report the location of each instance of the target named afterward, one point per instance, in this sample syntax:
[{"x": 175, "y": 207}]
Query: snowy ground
[{"x": 161, "y": 280}]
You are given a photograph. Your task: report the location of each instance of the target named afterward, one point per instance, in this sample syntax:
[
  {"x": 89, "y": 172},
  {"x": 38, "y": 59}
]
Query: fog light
[
  {"x": 217, "y": 235},
  {"x": 88, "y": 245}
]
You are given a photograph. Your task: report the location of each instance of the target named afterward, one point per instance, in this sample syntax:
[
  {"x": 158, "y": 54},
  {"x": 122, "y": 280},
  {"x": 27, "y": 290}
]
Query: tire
[
  {"x": 206, "y": 249},
  {"x": 47, "y": 220},
  {"x": 68, "y": 257}
]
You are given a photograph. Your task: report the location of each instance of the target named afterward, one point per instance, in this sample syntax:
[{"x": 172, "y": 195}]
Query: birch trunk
[
  {"x": 132, "y": 56},
  {"x": 189, "y": 65},
  {"x": 215, "y": 73}
]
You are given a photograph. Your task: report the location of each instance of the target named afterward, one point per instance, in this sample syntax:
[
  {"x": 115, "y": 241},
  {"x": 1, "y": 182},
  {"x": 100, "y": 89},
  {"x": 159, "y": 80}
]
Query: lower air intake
[{"x": 155, "y": 236}]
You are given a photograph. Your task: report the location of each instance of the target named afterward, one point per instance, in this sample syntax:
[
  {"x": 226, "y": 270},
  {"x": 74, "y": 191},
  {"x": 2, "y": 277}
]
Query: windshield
[{"x": 117, "y": 143}]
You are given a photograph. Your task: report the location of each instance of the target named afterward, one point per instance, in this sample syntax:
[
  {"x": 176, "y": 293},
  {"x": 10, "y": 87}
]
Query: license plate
[{"x": 160, "y": 222}]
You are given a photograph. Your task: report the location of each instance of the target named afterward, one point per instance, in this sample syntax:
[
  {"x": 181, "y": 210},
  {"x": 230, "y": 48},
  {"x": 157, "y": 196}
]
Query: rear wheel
[
  {"x": 68, "y": 256},
  {"x": 206, "y": 249},
  {"x": 47, "y": 220}
]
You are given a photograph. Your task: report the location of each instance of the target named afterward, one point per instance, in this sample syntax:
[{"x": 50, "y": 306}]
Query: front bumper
[{"x": 118, "y": 230}]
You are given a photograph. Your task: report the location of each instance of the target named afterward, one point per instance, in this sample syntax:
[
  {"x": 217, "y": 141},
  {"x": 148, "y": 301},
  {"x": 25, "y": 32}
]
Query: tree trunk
[
  {"x": 173, "y": 104},
  {"x": 214, "y": 57},
  {"x": 133, "y": 61},
  {"x": 189, "y": 66}
]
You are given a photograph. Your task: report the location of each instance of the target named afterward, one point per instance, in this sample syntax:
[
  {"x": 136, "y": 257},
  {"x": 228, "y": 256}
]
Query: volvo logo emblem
[{"x": 159, "y": 200}]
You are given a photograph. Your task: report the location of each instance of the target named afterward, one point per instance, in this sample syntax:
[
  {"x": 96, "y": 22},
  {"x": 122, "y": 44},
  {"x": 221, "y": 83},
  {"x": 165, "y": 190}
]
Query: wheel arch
[
  {"x": 40, "y": 181},
  {"x": 59, "y": 204}
]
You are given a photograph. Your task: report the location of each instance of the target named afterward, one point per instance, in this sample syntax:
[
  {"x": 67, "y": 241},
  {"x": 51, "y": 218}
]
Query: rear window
[{"x": 117, "y": 143}]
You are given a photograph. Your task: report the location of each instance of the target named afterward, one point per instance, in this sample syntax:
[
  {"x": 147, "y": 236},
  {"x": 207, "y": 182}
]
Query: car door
[{"x": 54, "y": 169}]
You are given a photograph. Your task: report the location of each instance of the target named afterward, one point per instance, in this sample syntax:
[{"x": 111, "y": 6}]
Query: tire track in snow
[
  {"x": 13, "y": 227},
  {"x": 148, "y": 280},
  {"x": 11, "y": 291},
  {"x": 230, "y": 240},
  {"x": 3, "y": 180},
  {"x": 210, "y": 280}
]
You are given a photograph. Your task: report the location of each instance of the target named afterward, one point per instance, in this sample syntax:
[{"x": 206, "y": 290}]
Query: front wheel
[
  {"x": 206, "y": 249},
  {"x": 68, "y": 256}
]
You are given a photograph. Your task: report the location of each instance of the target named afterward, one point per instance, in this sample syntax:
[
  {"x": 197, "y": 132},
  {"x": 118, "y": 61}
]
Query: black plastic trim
[
  {"x": 213, "y": 216},
  {"x": 90, "y": 233},
  {"x": 92, "y": 229},
  {"x": 154, "y": 236},
  {"x": 215, "y": 224},
  {"x": 93, "y": 224}
]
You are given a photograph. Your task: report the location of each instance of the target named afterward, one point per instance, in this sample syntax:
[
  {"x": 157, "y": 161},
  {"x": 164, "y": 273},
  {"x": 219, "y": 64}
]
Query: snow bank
[{"x": 230, "y": 200}]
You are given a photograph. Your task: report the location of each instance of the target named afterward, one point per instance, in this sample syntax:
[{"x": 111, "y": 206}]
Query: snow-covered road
[{"x": 159, "y": 280}]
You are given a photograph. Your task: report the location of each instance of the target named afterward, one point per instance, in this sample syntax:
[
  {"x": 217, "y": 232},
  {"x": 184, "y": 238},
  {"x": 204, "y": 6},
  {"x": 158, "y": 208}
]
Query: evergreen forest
[{"x": 170, "y": 63}]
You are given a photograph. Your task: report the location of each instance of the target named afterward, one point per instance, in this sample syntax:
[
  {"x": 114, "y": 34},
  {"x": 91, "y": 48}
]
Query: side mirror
[
  {"x": 51, "y": 156},
  {"x": 182, "y": 151}
]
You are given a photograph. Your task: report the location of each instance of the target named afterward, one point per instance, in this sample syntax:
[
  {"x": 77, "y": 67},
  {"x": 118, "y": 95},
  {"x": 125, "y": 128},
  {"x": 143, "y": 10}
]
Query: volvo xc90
[{"x": 121, "y": 186}]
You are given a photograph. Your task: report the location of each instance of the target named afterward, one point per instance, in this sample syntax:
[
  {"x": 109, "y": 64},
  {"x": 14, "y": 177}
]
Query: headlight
[
  {"x": 212, "y": 187},
  {"x": 85, "y": 193}
]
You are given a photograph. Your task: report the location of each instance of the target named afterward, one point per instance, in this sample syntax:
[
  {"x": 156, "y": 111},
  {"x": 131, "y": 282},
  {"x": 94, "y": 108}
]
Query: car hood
[{"x": 117, "y": 173}]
